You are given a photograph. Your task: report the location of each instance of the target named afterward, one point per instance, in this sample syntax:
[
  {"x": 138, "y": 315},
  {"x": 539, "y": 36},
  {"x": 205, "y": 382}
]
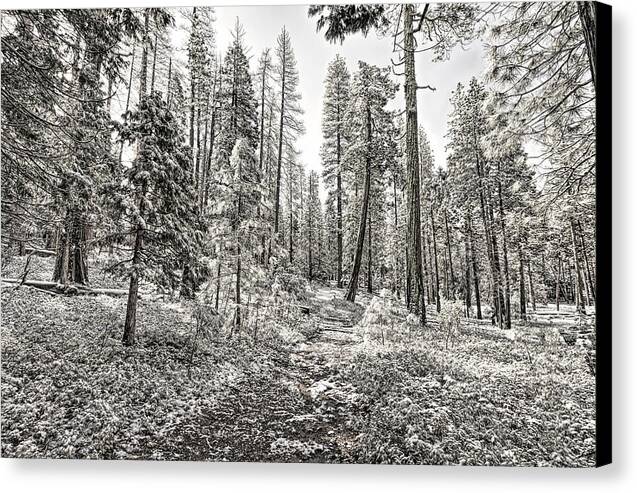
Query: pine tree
[
  {"x": 370, "y": 150},
  {"x": 289, "y": 111},
  {"x": 158, "y": 199}
]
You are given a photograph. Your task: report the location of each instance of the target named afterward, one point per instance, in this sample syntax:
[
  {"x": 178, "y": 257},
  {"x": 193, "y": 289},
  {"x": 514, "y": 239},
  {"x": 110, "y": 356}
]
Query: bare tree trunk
[
  {"x": 192, "y": 109},
  {"x": 397, "y": 282},
  {"x": 452, "y": 279},
  {"x": 360, "y": 240},
  {"x": 435, "y": 254},
  {"x": 522, "y": 283},
  {"x": 413, "y": 167},
  {"x": 581, "y": 308},
  {"x": 152, "y": 75},
  {"x": 467, "y": 272},
  {"x": 369, "y": 253},
  {"x": 309, "y": 229},
  {"x": 474, "y": 265},
  {"x": 507, "y": 276},
  {"x": 590, "y": 283},
  {"x": 280, "y": 154},
  {"x": 530, "y": 274}
]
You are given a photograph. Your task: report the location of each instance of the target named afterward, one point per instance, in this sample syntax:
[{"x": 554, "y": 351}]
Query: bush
[
  {"x": 385, "y": 321},
  {"x": 450, "y": 315}
]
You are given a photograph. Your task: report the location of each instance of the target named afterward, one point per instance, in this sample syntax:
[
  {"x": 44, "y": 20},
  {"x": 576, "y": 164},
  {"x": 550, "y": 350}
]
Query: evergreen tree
[
  {"x": 335, "y": 103},
  {"x": 289, "y": 111},
  {"x": 159, "y": 201},
  {"x": 370, "y": 150}
]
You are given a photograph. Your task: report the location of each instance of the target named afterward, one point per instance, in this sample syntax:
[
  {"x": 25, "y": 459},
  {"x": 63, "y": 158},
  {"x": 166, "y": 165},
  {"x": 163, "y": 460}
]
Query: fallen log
[
  {"x": 40, "y": 252},
  {"x": 71, "y": 289}
]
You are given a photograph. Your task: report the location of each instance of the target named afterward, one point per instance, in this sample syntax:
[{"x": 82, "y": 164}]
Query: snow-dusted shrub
[
  {"x": 450, "y": 317},
  {"x": 550, "y": 336},
  {"x": 286, "y": 447},
  {"x": 383, "y": 321}
]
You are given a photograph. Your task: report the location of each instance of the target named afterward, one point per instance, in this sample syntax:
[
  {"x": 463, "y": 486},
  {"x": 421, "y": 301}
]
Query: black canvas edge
[{"x": 603, "y": 295}]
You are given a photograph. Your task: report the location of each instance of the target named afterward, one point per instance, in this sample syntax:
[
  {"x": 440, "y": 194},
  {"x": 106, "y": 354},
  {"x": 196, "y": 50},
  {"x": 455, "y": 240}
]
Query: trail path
[
  {"x": 314, "y": 371},
  {"x": 299, "y": 415}
]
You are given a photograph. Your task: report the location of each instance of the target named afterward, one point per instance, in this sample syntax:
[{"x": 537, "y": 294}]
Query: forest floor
[{"x": 346, "y": 382}]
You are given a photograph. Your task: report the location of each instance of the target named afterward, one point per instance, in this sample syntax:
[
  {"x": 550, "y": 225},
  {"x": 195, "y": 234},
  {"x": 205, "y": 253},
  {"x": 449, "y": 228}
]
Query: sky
[{"x": 313, "y": 53}]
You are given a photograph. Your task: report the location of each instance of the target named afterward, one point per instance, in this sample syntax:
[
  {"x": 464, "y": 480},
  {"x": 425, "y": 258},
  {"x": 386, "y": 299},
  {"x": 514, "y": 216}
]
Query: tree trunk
[
  {"x": 413, "y": 167},
  {"x": 491, "y": 251},
  {"x": 435, "y": 254},
  {"x": 339, "y": 219},
  {"x": 131, "y": 305},
  {"x": 581, "y": 308},
  {"x": 309, "y": 229},
  {"x": 522, "y": 283},
  {"x": 467, "y": 272},
  {"x": 452, "y": 278},
  {"x": 70, "y": 265},
  {"x": 507, "y": 276},
  {"x": 360, "y": 240},
  {"x": 589, "y": 278},
  {"x": 530, "y": 274},
  {"x": 192, "y": 108},
  {"x": 588, "y": 18},
  {"x": 152, "y": 76},
  {"x": 474, "y": 265},
  {"x": 397, "y": 281},
  {"x": 218, "y": 287},
  {"x": 498, "y": 267},
  {"x": 130, "y": 86},
  {"x": 557, "y": 284},
  {"x": 370, "y": 288},
  {"x": 280, "y": 154}
]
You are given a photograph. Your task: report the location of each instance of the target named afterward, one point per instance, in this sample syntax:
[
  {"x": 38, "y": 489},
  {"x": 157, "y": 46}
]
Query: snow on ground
[{"x": 331, "y": 394}]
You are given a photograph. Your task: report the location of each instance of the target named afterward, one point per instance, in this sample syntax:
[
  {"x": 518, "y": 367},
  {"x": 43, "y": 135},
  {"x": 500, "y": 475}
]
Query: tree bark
[
  {"x": 280, "y": 154},
  {"x": 589, "y": 277},
  {"x": 474, "y": 266},
  {"x": 413, "y": 167},
  {"x": 588, "y": 18},
  {"x": 370, "y": 288},
  {"x": 581, "y": 308},
  {"x": 131, "y": 306},
  {"x": 360, "y": 240},
  {"x": 452, "y": 278},
  {"x": 507, "y": 276},
  {"x": 530, "y": 274},
  {"x": 522, "y": 283},
  {"x": 557, "y": 284},
  {"x": 435, "y": 255}
]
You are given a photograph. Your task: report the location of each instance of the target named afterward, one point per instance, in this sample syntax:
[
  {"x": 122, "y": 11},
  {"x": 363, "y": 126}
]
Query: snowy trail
[
  {"x": 300, "y": 415},
  {"x": 314, "y": 371}
]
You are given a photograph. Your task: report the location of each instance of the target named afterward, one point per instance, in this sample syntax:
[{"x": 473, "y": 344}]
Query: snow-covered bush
[
  {"x": 384, "y": 321},
  {"x": 450, "y": 316}
]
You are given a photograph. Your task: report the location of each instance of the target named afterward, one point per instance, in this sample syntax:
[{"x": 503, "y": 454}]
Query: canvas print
[{"x": 357, "y": 233}]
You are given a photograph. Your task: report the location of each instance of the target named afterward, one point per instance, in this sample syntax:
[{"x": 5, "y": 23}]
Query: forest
[{"x": 178, "y": 283}]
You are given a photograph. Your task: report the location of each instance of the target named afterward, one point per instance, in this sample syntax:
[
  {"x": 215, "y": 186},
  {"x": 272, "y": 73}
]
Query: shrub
[{"x": 450, "y": 316}]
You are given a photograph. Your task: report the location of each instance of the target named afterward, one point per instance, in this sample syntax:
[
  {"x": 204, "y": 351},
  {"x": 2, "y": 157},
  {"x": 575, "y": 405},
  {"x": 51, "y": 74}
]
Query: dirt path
[
  {"x": 315, "y": 372},
  {"x": 296, "y": 412}
]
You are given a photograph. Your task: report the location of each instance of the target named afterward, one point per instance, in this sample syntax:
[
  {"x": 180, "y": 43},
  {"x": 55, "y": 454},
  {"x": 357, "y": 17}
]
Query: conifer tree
[
  {"x": 159, "y": 201},
  {"x": 370, "y": 150},
  {"x": 335, "y": 103},
  {"x": 289, "y": 111}
]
